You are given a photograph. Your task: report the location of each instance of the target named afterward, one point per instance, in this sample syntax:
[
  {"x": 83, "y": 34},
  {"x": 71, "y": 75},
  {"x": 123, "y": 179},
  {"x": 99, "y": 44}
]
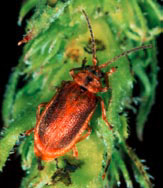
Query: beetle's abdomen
[{"x": 65, "y": 116}]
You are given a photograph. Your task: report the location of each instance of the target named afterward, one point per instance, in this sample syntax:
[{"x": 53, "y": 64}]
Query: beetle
[{"x": 62, "y": 122}]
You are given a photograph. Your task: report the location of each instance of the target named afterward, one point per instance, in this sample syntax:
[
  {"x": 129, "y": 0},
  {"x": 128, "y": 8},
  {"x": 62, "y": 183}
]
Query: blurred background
[{"x": 149, "y": 149}]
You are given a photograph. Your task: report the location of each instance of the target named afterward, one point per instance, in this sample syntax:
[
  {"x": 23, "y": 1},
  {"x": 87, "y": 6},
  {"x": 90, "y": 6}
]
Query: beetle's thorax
[{"x": 88, "y": 80}]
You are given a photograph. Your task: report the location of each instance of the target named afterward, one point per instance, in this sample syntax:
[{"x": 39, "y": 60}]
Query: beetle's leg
[
  {"x": 107, "y": 84},
  {"x": 106, "y": 78},
  {"x": 104, "y": 113},
  {"x": 111, "y": 71},
  {"x": 89, "y": 130},
  {"x": 38, "y": 113},
  {"x": 27, "y": 133},
  {"x": 75, "y": 151}
]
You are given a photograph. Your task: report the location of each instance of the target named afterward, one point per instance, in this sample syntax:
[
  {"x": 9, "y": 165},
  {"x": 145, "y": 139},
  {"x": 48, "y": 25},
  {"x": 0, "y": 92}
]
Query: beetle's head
[{"x": 89, "y": 78}]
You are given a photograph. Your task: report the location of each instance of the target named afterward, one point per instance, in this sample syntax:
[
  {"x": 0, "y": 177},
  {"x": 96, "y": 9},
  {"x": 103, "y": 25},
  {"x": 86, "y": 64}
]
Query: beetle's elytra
[
  {"x": 63, "y": 120},
  {"x": 61, "y": 124}
]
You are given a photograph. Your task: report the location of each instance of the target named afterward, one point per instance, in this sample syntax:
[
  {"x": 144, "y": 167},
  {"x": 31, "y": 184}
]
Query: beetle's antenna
[
  {"x": 94, "y": 60},
  {"x": 124, "y": 54}
]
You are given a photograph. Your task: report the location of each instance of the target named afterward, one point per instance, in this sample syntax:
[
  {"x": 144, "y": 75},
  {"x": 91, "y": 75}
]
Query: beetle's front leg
[
  {"x": 106, "y": 79},
  {"x": 104, "y": 113}
]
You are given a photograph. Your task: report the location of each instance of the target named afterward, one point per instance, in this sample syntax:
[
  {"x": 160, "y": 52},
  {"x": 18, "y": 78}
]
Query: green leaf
[{"x": 59, "y": 41}]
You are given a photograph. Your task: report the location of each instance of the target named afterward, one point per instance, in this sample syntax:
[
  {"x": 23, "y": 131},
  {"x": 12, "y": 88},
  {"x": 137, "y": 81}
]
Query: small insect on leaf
[{"x": 63, "y": 120}]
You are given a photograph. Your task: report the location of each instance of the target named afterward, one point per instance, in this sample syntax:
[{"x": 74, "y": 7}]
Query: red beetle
[{"x": 61, "y": 124}]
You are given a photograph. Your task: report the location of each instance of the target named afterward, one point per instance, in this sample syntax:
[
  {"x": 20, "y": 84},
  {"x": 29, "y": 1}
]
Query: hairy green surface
[{"x": 59, "y": 42}]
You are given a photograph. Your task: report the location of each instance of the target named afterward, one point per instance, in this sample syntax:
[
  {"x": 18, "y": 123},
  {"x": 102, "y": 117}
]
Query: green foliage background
[{"x": 59, "y": 35}]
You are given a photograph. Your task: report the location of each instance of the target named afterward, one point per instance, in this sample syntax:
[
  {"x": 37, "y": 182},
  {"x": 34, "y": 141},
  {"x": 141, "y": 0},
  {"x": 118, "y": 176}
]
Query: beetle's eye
[
  {"x": 93, "y": 71},
  {"x": 88, "y": 80}
]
